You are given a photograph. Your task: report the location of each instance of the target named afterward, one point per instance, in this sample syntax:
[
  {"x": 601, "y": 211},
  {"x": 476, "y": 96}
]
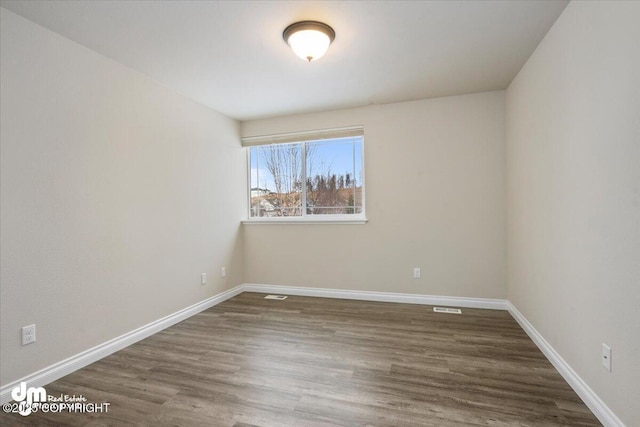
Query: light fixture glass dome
[{"x": 309, "y": 39}]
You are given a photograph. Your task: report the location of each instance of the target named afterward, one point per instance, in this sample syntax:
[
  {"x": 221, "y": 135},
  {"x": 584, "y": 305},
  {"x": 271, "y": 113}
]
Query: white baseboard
[
  {"x": 588, "y": 396},
  {"x": 492, "y": 304},
  {"x": 73, "y": 363}
]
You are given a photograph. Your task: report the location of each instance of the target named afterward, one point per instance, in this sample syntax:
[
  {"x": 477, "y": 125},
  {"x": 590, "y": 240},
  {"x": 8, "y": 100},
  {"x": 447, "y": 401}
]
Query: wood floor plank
[{"x": 319, "y": 362}]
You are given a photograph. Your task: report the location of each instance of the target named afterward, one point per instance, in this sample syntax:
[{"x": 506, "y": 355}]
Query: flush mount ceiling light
[{"x": 309, "y": 39}]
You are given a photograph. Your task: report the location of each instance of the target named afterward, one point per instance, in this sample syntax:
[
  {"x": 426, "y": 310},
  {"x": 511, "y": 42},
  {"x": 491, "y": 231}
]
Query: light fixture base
[{"x": 308, "y": 25}]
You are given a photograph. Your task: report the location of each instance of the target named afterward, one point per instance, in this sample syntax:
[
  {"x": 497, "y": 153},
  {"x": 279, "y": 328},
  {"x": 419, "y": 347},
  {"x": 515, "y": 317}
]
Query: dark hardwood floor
[{"x": 325, "y": 362}]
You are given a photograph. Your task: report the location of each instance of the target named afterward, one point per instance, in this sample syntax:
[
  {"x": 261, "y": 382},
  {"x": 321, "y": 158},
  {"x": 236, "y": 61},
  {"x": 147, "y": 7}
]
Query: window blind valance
[{"x": 281, "y": 138}]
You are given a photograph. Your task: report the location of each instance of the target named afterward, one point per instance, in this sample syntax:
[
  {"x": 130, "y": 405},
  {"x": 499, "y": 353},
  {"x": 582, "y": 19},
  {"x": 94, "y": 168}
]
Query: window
[{"x": 316, "y": 180}]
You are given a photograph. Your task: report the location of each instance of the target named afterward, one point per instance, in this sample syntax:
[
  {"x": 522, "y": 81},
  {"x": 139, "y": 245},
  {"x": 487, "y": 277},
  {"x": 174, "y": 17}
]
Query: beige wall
[
  {"x": 116, "y": 195},
  {"x": 435, "y": 199},
  {"x": 573, "y": 138}
]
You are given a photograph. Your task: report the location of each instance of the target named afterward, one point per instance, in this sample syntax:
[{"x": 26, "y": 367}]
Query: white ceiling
[{"x": 230, "y": 55}]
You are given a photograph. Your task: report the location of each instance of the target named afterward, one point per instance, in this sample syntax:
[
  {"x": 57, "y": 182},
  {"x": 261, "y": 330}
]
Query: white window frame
[{"x": 305, "y": 218}]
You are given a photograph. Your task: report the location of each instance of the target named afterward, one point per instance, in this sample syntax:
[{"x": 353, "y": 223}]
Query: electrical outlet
[
  {"x": 203, "y": 279},
  {"x": 223, "y": 272},
  {"x": 416, "y": 273},
  {"x": 28, "y": 334},
  {"x": 606, "y": 356}
]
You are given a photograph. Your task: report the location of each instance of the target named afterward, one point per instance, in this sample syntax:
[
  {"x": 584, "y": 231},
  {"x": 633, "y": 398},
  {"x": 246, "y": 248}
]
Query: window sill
[{"x": 335, "y": 221}]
